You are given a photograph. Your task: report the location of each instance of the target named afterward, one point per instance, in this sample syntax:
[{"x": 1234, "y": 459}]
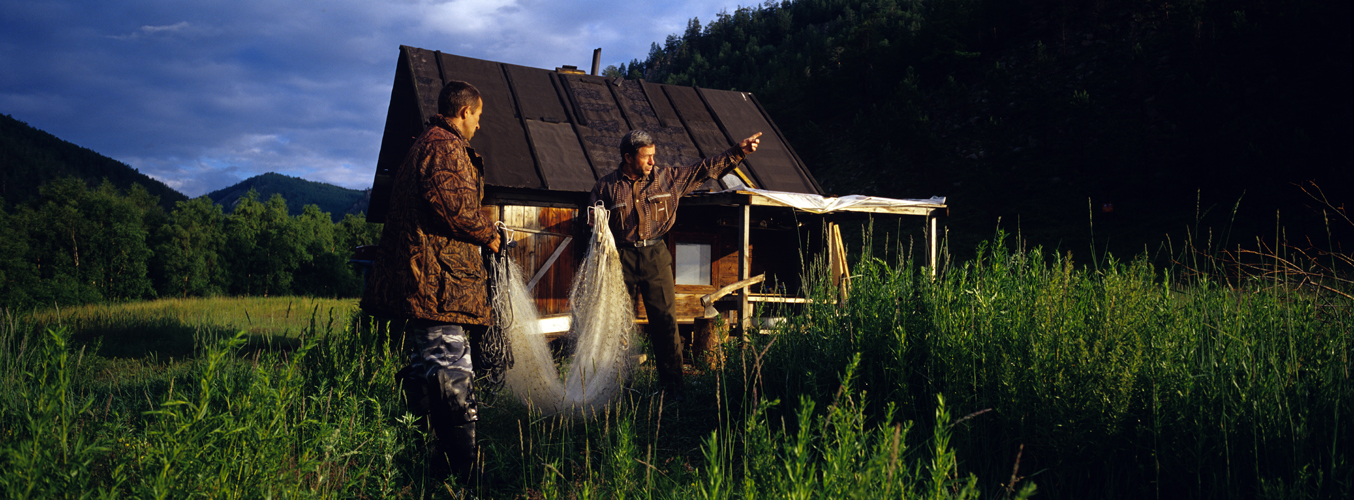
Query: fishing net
[
  {"x": 493, "y": 352},
  {"x": 602, "y": 321}
]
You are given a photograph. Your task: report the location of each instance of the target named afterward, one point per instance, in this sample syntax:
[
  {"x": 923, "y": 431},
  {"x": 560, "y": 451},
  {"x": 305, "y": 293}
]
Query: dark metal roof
[{"x": 546, "y": 137}]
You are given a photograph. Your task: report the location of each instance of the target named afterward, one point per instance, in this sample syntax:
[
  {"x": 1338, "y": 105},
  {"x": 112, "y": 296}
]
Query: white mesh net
[{"x": 602, "y": 321}]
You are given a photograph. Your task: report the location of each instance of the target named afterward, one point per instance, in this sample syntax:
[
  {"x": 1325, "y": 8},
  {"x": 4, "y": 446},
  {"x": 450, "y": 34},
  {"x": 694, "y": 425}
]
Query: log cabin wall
[
  {"x": 781, "y": 240},
  {"x": 709, "y": 225},
  {"x": 534, "y": 250},
  {"x": 712, "y": 226}
]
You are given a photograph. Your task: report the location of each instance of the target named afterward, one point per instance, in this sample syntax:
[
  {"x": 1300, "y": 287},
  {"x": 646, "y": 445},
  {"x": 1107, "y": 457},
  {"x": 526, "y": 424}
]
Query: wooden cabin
[{"x": 547, "y": 136}]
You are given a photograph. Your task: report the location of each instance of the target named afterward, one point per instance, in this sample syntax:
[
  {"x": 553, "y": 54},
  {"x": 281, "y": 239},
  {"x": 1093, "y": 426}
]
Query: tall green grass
[
  {"x": 225, "y": 425},
  {"x": 1114, "y": 381},
  {"x": 1014, "y": 369},
  {"x": 322, "y": 419}
]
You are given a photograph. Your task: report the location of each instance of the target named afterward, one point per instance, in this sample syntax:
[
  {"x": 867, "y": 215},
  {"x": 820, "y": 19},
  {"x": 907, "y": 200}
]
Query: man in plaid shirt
[{"x": 643, "y": 198}]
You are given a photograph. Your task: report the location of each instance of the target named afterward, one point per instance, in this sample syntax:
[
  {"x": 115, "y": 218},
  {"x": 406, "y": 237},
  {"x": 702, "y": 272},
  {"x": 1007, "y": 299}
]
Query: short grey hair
[{"x": 634, "y": 140}]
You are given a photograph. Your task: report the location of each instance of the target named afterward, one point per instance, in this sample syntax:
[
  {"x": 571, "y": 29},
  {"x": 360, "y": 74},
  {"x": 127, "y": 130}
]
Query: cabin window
[{"x": 693, "y": 263}]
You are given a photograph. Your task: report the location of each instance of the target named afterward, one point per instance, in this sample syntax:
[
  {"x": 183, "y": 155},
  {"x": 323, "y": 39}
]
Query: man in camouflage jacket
[
  {"x": 429, "y": 271},
  {"x": 642, "y": 199}
]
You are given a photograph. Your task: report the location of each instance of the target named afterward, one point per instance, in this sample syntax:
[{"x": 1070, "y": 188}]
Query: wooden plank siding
[
  {"x": 533, "y": 250},
  {"x": 771, "y": 229}
]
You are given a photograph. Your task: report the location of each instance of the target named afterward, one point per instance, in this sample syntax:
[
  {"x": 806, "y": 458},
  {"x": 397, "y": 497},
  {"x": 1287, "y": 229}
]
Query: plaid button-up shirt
[{"x": 645, "y": 208}]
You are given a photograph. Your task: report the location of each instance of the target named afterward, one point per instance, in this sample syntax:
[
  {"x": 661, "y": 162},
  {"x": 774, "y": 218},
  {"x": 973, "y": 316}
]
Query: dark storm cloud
[{"x": 203, "y": 94}]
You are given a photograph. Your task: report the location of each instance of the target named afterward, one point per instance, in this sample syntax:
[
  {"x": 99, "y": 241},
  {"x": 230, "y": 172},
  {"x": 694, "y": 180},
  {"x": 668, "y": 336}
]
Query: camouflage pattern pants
[
  {"x": 439, "y": 379},
  {"x": 438, "y": 385}
]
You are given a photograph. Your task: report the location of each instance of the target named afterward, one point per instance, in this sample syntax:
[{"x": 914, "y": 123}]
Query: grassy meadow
[
  {"x": 169, "y": 328},
  {"x": 1014, "y": 374}
]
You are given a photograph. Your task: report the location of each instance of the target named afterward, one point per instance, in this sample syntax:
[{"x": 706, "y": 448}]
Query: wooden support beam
[
  {"x": 744, "y": 244},
  {"x": 841, "y": 274},
  {"x": 932, "y": 242},
  {"x": 709, "y": 300},
  {"x": 756, "y": 297},
  {"x": 536, "y": 231},
  {"x": 558, "y": 250}
]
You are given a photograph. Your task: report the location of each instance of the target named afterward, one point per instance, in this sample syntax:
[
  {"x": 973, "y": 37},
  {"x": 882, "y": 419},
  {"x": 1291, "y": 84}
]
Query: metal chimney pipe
[{"x": 596, "y": 60}]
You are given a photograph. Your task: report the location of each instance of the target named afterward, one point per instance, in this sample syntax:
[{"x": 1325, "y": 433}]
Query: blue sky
[{"x": 203, "y": 94}]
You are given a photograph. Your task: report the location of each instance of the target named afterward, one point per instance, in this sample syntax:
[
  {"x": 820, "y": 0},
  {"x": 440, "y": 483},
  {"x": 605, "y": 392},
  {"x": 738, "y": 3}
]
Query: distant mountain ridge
[
  {"x": 30, "y": 158},
  {"x": 337, "y": 201}
]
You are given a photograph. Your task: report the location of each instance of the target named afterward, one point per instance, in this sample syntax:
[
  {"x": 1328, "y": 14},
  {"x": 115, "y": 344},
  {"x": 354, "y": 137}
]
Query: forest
[
  {"x": 1078, "y": 124},
  {"x": 77, "y": 244},
  {"x": 32, "y": 158}
]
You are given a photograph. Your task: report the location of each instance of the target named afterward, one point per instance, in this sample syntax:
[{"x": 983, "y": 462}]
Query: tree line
[
  {"x": 75, "y": 244},
  {"x": 1150, "y": 114},
  {"x": 32, "y": 157},
  {"x": 338, "y": 201}
]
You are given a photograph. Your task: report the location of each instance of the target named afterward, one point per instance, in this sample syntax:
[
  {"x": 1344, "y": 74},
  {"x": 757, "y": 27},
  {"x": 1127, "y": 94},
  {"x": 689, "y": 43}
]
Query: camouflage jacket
[
  {"x": 429, "y": 265},
  {"x": 643, "y": 209}
]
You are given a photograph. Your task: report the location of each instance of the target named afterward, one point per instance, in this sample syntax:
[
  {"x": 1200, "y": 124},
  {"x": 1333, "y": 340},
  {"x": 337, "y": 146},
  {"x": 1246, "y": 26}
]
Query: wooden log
[{"x": 706, "y": 341}]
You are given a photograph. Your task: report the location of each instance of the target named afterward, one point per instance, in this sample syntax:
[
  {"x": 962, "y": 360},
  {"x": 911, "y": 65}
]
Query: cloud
[
  {"x": 179, "y": 28},
  {"x": 150, "y": 30},
  {"x": 190, "y": 177},
  {"x": 293, "y": 152},
  {"x": 202, "y": 95},
  {"x": 471, "y": 17}
]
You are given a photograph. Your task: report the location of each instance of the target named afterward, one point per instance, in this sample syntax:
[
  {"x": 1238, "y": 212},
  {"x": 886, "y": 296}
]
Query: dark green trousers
[{"x": 648, "y": 274}]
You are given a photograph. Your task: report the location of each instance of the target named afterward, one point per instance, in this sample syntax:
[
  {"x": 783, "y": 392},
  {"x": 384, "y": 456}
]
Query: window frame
[{"x": 698, "y": 238}]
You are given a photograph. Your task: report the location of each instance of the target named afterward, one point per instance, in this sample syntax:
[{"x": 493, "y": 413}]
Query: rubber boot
[
  {"x": 456, "y": 447},
  {"x": 453, "y": 415}
]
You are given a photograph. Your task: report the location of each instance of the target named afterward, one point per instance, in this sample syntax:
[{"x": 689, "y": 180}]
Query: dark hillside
[
  {"x": 30, "y": 158},
  {"x": 337, "y": 201},
  {"x": 1041, "y": 114}
]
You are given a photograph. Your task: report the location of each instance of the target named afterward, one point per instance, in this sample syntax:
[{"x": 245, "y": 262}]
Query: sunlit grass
[
  {"x": 321, "y": 419},
  {"x": 275, "y": 316},
  {"x": 1015, "y": 369}
]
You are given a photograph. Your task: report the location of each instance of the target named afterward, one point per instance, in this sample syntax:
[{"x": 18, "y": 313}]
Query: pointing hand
[{"x": 750, "y": 144}]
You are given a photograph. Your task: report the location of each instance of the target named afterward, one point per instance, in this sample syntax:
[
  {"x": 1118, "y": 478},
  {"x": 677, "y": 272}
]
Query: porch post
[
  {"x": 932, "y": 242},
  {"x": 744, "y": 241}
]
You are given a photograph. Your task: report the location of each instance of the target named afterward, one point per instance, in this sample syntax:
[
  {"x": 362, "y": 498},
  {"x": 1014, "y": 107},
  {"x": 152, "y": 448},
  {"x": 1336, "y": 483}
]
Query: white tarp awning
[{"x": 853, "y": 203}]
